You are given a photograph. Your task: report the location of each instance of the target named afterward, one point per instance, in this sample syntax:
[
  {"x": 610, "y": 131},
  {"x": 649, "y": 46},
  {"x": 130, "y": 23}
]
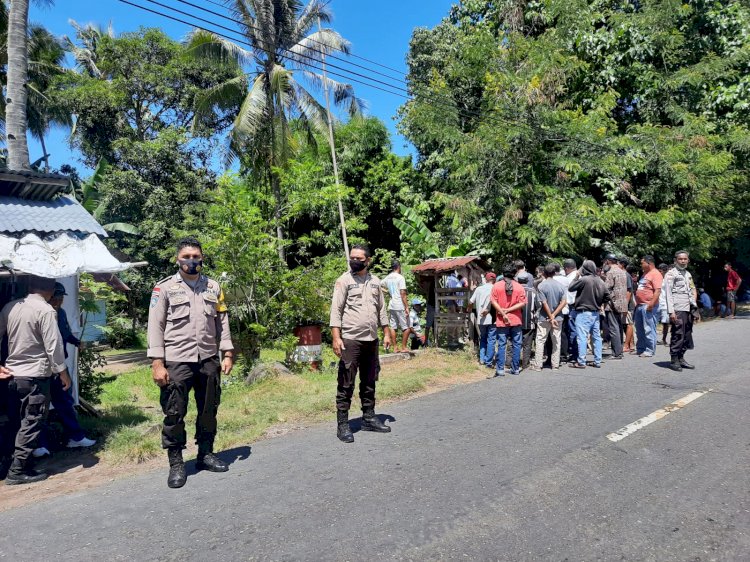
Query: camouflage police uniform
[{"x": 187, "y": 328}]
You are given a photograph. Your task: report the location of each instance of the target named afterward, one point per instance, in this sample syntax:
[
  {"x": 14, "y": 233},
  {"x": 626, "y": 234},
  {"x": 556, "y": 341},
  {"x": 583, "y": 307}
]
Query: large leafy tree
[
  {"x": 134, "y": 86},
  {"x": 281, "y": 53},
  {"x": 576, "y": 127}
]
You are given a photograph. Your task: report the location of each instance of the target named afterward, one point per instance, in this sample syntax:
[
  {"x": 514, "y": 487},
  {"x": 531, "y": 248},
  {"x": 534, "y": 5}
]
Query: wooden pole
[{"x": 332, "y": 144}]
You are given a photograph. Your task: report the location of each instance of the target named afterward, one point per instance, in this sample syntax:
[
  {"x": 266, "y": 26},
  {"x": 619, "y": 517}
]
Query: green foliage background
[{"x": 542, "y": 129}]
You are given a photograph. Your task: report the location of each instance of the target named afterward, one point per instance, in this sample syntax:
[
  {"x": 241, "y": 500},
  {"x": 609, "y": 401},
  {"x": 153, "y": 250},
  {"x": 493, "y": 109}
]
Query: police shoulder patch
[{"x": 155, "y": 294}]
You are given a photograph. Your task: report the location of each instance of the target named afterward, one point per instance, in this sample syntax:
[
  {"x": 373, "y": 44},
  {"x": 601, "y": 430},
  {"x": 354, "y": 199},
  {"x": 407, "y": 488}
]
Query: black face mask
[
  {"x": 357, "y": 266},
  {"x": 191, "y": 266}
]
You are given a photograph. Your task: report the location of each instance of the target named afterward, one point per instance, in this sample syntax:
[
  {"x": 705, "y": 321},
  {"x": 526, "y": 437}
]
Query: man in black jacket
[{"x": 591, "y": 296}]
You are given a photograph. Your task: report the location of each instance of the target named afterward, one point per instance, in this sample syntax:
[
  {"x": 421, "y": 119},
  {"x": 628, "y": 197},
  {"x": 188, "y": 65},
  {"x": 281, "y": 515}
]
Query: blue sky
[{"x": 378, "y": 30}]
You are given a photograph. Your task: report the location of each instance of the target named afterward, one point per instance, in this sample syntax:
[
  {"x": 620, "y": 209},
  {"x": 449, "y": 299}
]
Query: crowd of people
[{"x": 570, "y": 313}]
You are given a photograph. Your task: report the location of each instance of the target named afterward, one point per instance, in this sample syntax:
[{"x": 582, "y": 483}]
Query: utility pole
[{"x": 332, "y": 144}]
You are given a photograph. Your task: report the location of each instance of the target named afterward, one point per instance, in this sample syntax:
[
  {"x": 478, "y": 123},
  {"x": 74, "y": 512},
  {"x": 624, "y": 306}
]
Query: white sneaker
[
  {"x": 85, "y": 442},
  {"x": 40, "y": 452}
]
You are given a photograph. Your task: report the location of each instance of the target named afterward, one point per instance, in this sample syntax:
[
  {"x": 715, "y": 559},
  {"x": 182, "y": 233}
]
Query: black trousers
[
  {"x": 564, "y": 339},
  {"x": 682, "y": 334},
  {"x": 359, "y": 356},
  {"x": 614, "y": 325},
  {"x": 8, "y": 423},
  {"x": 30, "y": 398},
  {"x": 204, "y": 378}
]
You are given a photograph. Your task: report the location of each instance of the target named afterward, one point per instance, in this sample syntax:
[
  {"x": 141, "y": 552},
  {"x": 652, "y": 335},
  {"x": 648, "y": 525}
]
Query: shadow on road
[
  {"x": 230, "y": 456},
  {"x": 356, "y": 423}
]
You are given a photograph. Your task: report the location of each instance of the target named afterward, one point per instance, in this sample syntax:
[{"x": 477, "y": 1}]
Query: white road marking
[{"x": 655, "y": 416}]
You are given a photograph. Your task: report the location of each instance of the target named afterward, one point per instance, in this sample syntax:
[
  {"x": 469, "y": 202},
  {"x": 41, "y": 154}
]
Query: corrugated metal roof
[
  {"x": 61, "y": 214},
  {"x": 447, "y": 264},
  {"x": 29, "y": 184}
]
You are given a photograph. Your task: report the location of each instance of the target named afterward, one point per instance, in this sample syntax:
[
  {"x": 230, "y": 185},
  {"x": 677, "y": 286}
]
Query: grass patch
[{"x": 131, "y": 425}]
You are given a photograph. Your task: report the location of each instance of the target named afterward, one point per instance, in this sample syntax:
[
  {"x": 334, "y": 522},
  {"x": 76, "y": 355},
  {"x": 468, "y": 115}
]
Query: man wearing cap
[
  {"x": 481, "y": 301},
  {"x": 616, "y": 309},
  {"x": 35, "y": 354},
  {"x": 62, "y": 400},
  {"x": 415, "y": 325},
  {"x": 188, "y": 327}
]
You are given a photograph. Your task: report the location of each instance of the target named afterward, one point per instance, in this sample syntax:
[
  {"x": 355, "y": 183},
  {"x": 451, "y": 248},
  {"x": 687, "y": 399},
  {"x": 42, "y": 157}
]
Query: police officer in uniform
[
  {"x": 35, "y": 355},
  {"x": 357, "y": 311},
  {"x": 187, "y": 328}
]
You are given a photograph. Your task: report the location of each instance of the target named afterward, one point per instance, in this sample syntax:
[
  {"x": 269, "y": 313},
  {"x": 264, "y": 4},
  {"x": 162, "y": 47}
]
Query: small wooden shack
[{"x": 450, "y": 320}]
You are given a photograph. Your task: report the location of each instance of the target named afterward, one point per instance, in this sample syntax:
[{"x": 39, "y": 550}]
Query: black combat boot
[
  {"x": 675, "y": 364},
  {"x": 343, "y": 431},
  {"x": 20, "y": 474},
  {"x": 371, "y": 422},
  {"x": 684, "y": 364},
  {"x": 177, "y": 475},
  {"x": 207, "y": 460}
]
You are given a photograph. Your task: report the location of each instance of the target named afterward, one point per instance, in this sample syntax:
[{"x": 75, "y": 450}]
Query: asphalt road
[{"x": 506, "y": 469}]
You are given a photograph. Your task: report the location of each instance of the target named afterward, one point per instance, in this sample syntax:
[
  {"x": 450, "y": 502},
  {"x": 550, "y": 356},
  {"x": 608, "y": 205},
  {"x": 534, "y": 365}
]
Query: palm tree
[
  {"x": 27, "y": 108},
  {"x": 283, "y": 47},
  {"x": 87, "y": 54},
  {"x": 16, "y": 93}
]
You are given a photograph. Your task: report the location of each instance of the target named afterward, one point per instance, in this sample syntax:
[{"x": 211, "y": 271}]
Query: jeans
[
  {"x": 572, "y": 340},
  {"x": 487, "y": 337},
  {"x": 587, "y": 322},
  {"x": 516, "y": 338},
  {"x": 63, "y": 402},
  {"x": 645, "y": 330}
]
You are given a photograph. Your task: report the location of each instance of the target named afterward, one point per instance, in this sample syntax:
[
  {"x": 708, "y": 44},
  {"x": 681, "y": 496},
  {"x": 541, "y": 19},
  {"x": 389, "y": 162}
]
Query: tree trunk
[
  {"x": 275, "y": 181},
  {"x": 276, "y": 185},
  {"x": 17, "y": 94}
]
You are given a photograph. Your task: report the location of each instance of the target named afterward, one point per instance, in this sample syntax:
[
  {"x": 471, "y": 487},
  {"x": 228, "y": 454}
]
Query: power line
[
  {"x": 288, "y": 51},
  {"x": 376, "y": 63},
  {"x": 192, "y": 24},
  {"x": 323, "y": 53}
]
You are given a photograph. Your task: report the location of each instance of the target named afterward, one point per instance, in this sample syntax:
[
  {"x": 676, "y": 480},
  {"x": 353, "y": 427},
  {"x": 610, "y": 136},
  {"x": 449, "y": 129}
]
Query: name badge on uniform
[{"x": 177, "y": 295}]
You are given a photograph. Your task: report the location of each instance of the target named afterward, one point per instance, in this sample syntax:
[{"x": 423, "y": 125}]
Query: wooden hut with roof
[{"x": 448, "y": 318}]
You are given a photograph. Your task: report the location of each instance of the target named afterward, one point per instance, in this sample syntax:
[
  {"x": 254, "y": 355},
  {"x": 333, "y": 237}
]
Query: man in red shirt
[
  {"x": 646, "y": 307},
  {"x": 733, "y": 283},
  {"x": 508, "y": 298}
]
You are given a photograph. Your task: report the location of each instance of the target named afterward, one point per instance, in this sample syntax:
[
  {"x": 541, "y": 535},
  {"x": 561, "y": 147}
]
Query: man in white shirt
[
  {"x": 571, "y": 272},
  {"x": 398, "y": 308},
  {"x": 564, "y": 280},
  {"x": 480, "y": 300}
]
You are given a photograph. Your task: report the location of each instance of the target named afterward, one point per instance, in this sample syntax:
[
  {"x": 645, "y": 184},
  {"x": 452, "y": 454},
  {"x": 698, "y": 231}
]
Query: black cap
[
  {"x": 60, "y": 290},
  {"x": 610, "y": 257}
]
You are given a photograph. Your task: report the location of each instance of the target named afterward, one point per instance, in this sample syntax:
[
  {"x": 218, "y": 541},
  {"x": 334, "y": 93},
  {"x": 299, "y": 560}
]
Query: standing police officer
[
  {"x": 187, "y": 328},
  {"x": 357, "y": 311},
  {"x": 35, "y": 355}
]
